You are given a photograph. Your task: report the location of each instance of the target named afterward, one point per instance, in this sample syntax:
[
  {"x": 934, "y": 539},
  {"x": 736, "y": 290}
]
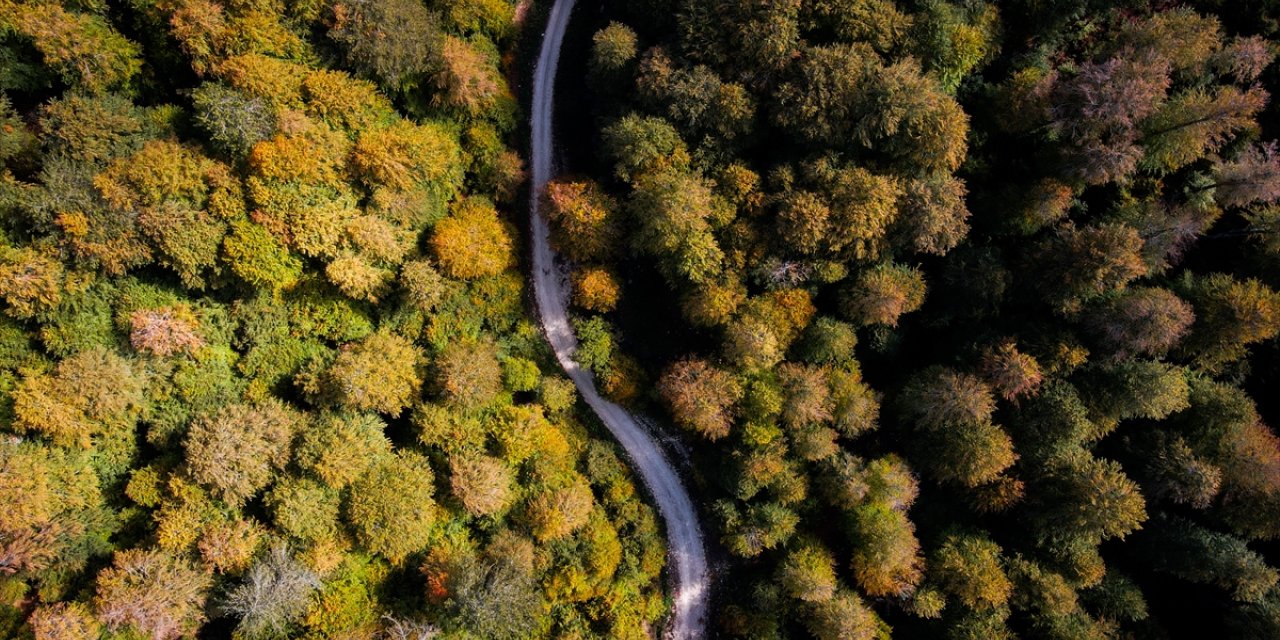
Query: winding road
[{"x": 684, "y": 535}]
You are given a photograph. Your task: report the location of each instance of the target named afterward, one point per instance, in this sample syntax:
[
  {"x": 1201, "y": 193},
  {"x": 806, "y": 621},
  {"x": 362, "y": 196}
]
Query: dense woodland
[
  {"x": 266, "y": 368},
  {"x": 968, "y": 309}
]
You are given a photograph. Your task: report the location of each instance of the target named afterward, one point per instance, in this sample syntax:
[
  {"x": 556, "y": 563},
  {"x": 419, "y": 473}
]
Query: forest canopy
[
  {"x": 266, "y": 370},
  {"x": 968, "y": 308}
]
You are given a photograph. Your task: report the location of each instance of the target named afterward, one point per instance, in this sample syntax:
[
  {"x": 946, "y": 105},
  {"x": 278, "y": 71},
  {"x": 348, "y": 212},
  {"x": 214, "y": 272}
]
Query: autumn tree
[
  {"x": 882, "y": 294},
  {"x": 92, "y": 393},
  {"x": 952, "y": 415},
  {"x": 153, "y": 591},
  {"x": 472, "y": 242},
  {"x": 583, "y": 218},
  {"x": 63, "y": 620},
  {"x": 469, "y": 373},
  {"x": 700, "y": 396},
  {"x": 556, "y": 514},
  {"x": 842, "y": 616},
  {"x": 1080, "y": 263},
  {"x": 466, "y": 77},
  {"x": 969, "y": 567},
  {"x": 483, "y": 484},
  {"x": 237, "y": 450},
  {"x": 1140, "y": 321},
  {"x": 379, "y": 373}
]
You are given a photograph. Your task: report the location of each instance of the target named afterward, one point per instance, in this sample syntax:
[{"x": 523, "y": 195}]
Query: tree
[
  {"x": 555, "y": 514},
  {"x": 469, "y": 373},
  {"x": 595, "y": 289},
  {"x": 583, "y": 219},
  {"x": 676, "y": 211},
  {"x": 466, "y": 78},
  {"x": 843, "y": 617},
  {"x": 939, "y": 398},
  {"x": 233, "y": 121},
  {"x": 90, "y": 394},
  {"x": 1174, "y": 472},
  {"x": 1087, "y": 498},
  {"x": 1230, "y": 315},
  {"x": 883, "y": 294},
  {"x": 886, "y": 557},
  {"x": 165, "y": 331},
  {"x": 1010, "y": 372},
  {"x": 483, "y": 484},
  {"x": 934, "y": 217},
  {"x": 339, "y": 447},
  {"x": 390, "y": 508},
  {"x": 406, "y": 156},
  {"x": 379, "y": 373},
  {"x": 259, "y": 259},
  {"x": 1081, "y": 263},
  {"x": 1140, "y": 321},
  {"x": 304, "y": 509},
  {"x": 1099, "y": 110},
  {"x": 1252, "y": 177},
  {"x": 968, "y": 567},
  {"x": 31, "y": 282},
  {"x": 1197, "y": 122},
  {"x": 392, "y": 40},
  {"x": 81, "y": 48},
  {"x": 276, "y": 592},
  {"x": 700, "y": 397},
  {"x": 750, "y": 531},
  {"x": 807, "y": 573},
  {"x": 612, "y": 48},
  {"x": 237, "y": 450},
  {"x": 155, "y": 592},
  {"x": 473, "y": 242},
  {"x": 638, "y": 145},
  {"x": 62, "y": 621},
  {"x": 422, "y": 285},
  {"x": 495, "y": 598},
  {"x": 1136, "y": 389},
  {"x": 848, "y": 213},
  {"x": 1191, "y": 552}
]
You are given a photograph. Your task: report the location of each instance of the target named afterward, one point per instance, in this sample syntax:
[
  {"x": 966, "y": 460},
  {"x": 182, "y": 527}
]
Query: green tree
[
  {"x": 886, "y": 558},
  {"x": 391, "y": 508},
  {"x": 392, "y": 40},
  {"x": 1194, "y": 553},
  {"x": 339, "y": 447},
  {"x": 807, "y": 573}
]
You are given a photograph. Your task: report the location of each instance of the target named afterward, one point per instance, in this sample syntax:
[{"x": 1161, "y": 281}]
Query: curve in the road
[{"x": 684, "y": 535}]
